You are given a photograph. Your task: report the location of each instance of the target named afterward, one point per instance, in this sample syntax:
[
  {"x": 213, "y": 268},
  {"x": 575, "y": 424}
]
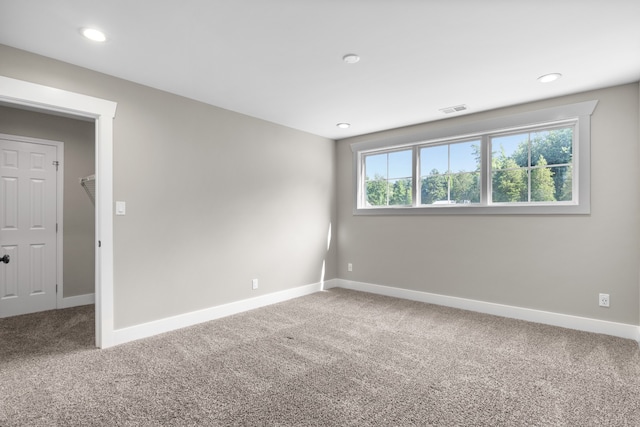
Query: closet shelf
[{"x": 89, "y": 185}]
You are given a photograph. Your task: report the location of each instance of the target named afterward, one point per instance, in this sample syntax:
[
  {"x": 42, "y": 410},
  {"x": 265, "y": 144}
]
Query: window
[
  {"x": 450, "y": 173},
  {"x": 532, "y": 166},
  {"x": 387, "y": 179},
  {"x": 528, "y": 163}
]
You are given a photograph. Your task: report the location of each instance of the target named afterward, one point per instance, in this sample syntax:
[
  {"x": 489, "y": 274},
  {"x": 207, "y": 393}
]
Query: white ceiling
[{"x": 281, "y": 60}]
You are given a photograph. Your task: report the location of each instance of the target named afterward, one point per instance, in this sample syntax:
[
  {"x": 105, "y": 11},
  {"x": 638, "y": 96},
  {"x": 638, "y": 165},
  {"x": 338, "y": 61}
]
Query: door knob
[{"x": 5, "y": 259}]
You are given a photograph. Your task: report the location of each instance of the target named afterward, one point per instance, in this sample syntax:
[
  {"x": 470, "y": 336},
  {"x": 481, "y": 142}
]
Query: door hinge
[
  {"x": 56, "y": 164},
  {"x": 56, "y": 227},
  {"x": 56, "y": 288},
  {"x": 99, "y": 244}
]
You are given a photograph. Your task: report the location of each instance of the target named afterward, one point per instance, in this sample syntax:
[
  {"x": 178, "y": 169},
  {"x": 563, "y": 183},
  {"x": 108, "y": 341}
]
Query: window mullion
[
  {"x": 361, "y": 176},
  {"x": 387, "y": 180},
  {"x": 529, "y": 168},
  {"x": 448, "y": 175},
  {"x": 485, "y": 170},
  {"x": 415, "y": 178}
]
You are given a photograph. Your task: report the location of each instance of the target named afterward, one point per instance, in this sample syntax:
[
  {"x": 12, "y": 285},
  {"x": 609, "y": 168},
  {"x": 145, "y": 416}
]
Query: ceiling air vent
[{"x": 454, "y": 109}]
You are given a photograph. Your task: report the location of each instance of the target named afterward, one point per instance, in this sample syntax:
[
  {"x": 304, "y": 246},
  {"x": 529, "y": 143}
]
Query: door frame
[
  {"x": 59, "y": 205},
  {"x": 102, "y": 112}
]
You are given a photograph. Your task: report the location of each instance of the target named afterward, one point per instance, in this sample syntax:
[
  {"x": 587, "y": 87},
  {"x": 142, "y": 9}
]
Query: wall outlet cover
[{"x": 603, "y": 300}]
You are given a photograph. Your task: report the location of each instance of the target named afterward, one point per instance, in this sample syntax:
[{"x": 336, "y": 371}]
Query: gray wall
[
  {"x": 551, "y": 263},
  {"x": 214, "y": 198},
  {"x": 79, "y": 215}
]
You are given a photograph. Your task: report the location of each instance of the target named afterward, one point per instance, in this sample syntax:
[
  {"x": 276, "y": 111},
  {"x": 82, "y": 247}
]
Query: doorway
[{"x": 41, "y": 98}]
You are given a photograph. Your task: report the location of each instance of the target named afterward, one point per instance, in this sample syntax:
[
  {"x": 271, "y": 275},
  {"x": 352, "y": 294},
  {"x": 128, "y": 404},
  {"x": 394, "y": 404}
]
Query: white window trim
[{"x": 581, "y": 112}]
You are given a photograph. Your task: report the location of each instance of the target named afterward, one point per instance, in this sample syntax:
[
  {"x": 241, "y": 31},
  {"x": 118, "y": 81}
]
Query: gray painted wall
[
  {"x": 79, "y": 215},
  {"x": 551, "y": 263},
  {"x": 214, "y": 198}
]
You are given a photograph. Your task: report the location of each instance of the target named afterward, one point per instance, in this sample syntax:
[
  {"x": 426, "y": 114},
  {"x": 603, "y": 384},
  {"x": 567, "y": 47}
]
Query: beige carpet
[{"x": 336, "y": 358}]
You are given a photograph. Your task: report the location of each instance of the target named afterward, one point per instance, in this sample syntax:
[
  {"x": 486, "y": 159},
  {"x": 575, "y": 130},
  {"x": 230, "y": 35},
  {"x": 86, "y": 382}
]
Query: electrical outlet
[
  {"x": 349, "y": 267},
  {"x": 254, "y": 284},
  {"x": 603, "y": 300}
]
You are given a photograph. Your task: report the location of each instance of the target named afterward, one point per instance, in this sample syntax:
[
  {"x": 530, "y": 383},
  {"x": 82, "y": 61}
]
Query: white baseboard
[
  {"x": 132, "y": 333},
  {"x": 77, "y": 300},
  {"x": 622, "y": 330}
]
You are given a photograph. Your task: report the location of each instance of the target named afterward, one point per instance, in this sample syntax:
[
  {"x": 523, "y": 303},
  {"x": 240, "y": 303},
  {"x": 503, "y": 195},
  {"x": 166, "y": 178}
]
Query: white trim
[
  {"x": 60, "y": 222},
  {"x": 621, "y": 330},
  {"x": 475, "y": 129},
  {"x": 39, "y": 97},
  {"x": 77, "y": 300},
  {"x": 580, "y": 113},
  {"x": 168, "y": 324}
]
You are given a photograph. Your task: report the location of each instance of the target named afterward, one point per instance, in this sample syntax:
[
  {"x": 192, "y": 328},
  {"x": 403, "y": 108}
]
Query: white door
[{"x": 27, "y": 227}]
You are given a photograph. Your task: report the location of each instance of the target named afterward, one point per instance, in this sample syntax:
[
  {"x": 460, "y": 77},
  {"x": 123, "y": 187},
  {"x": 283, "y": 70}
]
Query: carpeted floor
[{"x": 335, "y": 358}]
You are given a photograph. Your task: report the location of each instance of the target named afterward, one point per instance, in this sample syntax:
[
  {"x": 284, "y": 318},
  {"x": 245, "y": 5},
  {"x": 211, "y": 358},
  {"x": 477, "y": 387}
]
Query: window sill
[{"x": 523, "y": 209}]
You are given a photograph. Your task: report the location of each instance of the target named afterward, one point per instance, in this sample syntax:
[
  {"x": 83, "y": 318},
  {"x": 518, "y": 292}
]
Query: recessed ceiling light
[
  {"x": 548, "y": 78},
  {"x": 351, "y": 58},
  {"x": 344, "y": 125},
  {"x": 93, "y": 34}
]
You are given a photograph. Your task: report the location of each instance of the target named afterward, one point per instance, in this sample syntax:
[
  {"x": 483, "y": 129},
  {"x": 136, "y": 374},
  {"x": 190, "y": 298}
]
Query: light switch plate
[{"x": 121, "y": 208}]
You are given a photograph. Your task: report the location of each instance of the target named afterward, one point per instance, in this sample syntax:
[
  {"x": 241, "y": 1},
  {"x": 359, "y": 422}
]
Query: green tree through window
[
  {"x": 388, "y": 178},
  {"x": 533, "y": 166},
  {"x": 450, "y": 173}
]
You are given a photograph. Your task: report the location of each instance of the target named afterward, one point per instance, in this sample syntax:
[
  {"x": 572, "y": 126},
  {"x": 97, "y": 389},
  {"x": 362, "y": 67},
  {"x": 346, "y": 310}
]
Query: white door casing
[
  {"x": 102, "y": 112},
  {"x": 28, "y": 218}
]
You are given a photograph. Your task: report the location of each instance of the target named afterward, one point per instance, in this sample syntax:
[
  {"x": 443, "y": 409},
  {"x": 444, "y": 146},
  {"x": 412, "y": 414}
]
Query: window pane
[
  {"x": 434, "y": 188},
  {"x": 541, "y": 149},
  {"x": 465, "y": 157},
  {"x": 465, "y": 187},
  {"x": 542, "y": 186},
  {"x": 400, "y": 192},
  {"x": 434, "y": 160},
  {"x": 400, "y": 164},
  {"x": 376, "y": 191},
  {"x": 510, "y": 147},
  {"x": 563, "y": 183},
  {"x": 509, "y": 186},
  {"x": 375, "y": 166},
  {"x": 555, "y": 146}
]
